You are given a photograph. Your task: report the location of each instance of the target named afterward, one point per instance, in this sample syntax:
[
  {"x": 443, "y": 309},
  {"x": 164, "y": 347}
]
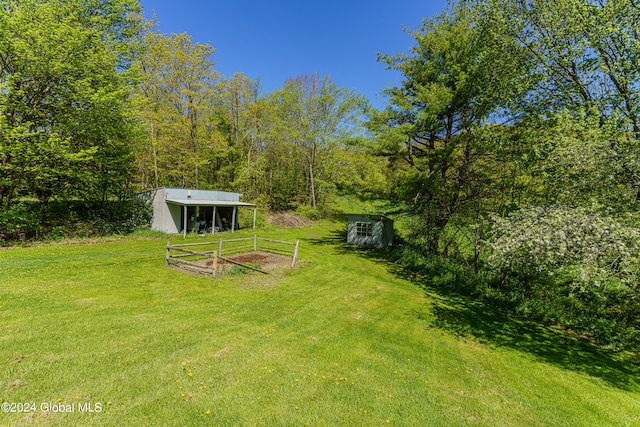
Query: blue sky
[{"x": 275, "y": 40}]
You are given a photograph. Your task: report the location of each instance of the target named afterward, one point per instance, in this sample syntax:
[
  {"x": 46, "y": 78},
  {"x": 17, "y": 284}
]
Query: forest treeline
[
  {"x": 508, "y": 151},
  {"x": 96, "y": 105}
]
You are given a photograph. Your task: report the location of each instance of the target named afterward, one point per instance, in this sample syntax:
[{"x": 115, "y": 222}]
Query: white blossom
[{"x": 535, "y": 241}]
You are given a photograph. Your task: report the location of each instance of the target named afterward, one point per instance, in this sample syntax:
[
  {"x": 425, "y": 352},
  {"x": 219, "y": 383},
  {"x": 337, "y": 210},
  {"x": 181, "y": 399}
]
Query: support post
[
  {"x": 255, "y": 243},
  {"x": 184, "y": 226},
  {"x": 168, "y": 255},
  {"x": 295, "y": 254},
  {"x": 255, "y": 210},
  {"x": 213, "y": 221},
  {"x": 233, "y": 219}
]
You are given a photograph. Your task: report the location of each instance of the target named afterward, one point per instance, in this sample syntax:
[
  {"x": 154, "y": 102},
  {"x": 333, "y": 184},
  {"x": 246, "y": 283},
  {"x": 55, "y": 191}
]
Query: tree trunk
[
  {"x": 155, "y": 167},
  {"x": 313, "y": 186},
  {"x": 155, "y": 155}
]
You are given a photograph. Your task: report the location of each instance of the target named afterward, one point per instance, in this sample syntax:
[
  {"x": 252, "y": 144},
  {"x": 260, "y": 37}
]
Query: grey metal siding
[
  {"x": 187, "y": 194},
  {"x": 167, "y": 217},
  {"x": 173, "y": 222}
]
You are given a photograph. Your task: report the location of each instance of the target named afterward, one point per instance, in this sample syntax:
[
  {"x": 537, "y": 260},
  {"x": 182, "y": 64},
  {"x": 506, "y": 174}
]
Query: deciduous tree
[
  {"x": 456, "y": 79},
  {"x": 176, "y": 91},
  {"x": 585, "y": 54},
  {"x": 314, "y": 114},
  {"x": 65, "y": 122}
]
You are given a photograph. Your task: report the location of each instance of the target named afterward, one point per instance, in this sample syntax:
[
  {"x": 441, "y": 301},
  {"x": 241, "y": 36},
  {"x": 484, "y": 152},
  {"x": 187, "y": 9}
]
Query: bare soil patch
[{"x": 266, "y": 260}]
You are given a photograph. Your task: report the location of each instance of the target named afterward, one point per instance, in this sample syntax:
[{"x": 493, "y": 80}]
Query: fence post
[
  {"x": 295, "y": 254},
  {"x": 255, "y": 242},
  {"x": 220, "y": 250},
  {"x": 184, "y": 235},
  {"x": 255, "y": 209},
  {"x": 215, "y": 264},
  {"x": 168, "y": 253}
]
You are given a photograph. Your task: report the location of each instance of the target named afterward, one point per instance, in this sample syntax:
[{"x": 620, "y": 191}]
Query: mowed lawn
[{"x": 344, "y": 339}]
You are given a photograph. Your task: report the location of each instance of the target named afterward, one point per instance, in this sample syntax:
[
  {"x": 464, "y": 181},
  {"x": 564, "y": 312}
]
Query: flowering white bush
[{"x": 592, "y": 249}]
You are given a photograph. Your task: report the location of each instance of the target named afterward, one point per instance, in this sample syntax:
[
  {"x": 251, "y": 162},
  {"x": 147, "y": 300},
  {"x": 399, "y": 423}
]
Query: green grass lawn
[{"x": 343, "y": 339}]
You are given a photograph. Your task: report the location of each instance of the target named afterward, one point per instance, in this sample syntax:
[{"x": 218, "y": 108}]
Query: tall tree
[
  {"x": 176, "y": 89},
  {"x": 584, "y": 63},
  {"x": 65, "y": 122},
  {"x": 585, "y": 53},
  {"x": 234, "y": 112},
  {"x": 456, "y": 79},
  {"x": 314, "y": 114}
]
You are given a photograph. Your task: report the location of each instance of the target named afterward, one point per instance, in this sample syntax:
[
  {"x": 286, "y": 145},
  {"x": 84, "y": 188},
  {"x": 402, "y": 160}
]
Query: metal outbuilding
[
  {"x": 369, "y": 230},
  {"x": 178, "y": 210}
]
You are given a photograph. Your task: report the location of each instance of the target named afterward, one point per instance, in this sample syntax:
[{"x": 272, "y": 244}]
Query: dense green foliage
[
  {"x": 515, "y": 139},
  {"x": 284, "y": 149},
  {"x": 72, "y": 219},
  {"x": 65, "y": 120}
]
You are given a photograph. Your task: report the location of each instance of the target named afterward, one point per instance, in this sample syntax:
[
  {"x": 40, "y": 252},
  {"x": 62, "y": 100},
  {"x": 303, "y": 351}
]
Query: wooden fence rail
[
  {"x": 178, "y": 259},
  {"x": 273, "y": 249}
]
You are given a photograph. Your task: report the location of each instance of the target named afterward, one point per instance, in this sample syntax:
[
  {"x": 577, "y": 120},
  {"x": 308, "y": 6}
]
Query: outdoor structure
[
  {"x": 369, "y": 230},
  {"x": 178, "y": 210},
  {"x": 214, "y": 258}
]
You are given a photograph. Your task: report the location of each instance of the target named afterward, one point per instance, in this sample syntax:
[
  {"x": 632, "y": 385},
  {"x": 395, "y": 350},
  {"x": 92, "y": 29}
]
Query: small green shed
[{"x": 369, "y": 230}]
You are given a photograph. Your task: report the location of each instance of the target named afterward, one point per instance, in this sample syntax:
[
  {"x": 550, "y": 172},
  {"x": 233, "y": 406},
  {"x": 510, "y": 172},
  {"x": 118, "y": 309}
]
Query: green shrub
[
  {"x": 60, "y": 219},
  {"x": 607, "y": 315},
  {"x": 309, "y": 212},
  {"x": 440, "y": 272},
  {"x": 56, "y": 233},
  {"x": 19, "y": 222}
]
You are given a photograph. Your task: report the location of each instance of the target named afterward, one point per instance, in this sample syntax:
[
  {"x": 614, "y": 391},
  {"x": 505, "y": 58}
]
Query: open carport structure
[{"x": 178, "y": 210}]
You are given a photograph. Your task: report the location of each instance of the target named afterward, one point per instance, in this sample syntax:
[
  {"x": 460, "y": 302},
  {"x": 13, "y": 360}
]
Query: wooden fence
[
  {"x": 180, "y": 259},
  {"x": 192, "y": 260},
  {"x": 255, "y": 243}
]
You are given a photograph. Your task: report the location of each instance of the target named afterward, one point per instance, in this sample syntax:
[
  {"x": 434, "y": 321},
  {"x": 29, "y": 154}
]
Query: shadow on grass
[
  {"x": 494, "y": 327},
  {"x": 470, "y": 319},
  {"x": 335, "y": 238}
]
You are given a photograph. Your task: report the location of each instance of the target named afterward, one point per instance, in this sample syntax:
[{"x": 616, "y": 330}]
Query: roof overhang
[
  {"x": 373, "y": 217},
  {"x": 190, "y": 202}
]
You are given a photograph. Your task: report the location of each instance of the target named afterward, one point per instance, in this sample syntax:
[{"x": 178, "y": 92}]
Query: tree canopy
[
  {"x": 513, "y": 138},
  {"x": 65, "y": 119}
]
